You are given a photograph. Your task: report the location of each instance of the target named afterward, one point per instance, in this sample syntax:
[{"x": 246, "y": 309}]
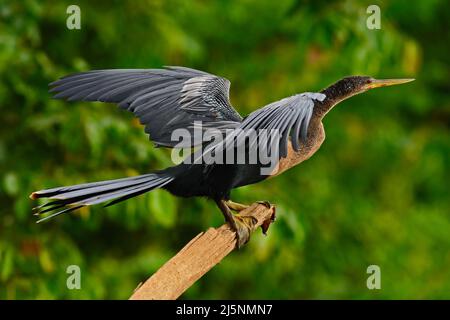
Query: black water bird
[{"x": 176, "y": 98}]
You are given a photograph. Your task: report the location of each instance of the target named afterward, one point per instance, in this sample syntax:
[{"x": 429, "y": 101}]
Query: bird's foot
[
  {"x": 243, "y": 226},
  {"x": 236, "y": 206}
]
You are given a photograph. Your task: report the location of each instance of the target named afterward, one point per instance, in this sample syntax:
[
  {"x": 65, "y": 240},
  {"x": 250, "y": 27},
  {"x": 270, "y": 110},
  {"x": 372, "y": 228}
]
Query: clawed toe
[
  {"x": 265, "y": 202},
  {"x": 243, "y": 226},
  {"x": 238, "y": 207}
]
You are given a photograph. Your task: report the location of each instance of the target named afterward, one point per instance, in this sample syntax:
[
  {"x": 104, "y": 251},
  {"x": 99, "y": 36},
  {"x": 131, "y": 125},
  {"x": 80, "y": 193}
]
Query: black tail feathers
[{"x": 66, "y": 199}]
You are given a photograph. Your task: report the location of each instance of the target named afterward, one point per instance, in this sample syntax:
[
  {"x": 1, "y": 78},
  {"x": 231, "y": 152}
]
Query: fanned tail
[{"x": 66, "y": 199}]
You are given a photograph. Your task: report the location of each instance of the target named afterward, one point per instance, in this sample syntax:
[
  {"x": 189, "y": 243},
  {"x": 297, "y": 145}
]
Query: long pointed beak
[{"x": 377, "y": 83}]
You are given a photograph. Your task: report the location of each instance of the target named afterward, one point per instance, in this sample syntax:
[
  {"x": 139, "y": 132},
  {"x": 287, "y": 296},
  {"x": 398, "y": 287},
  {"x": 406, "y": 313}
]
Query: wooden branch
[{"x": 201, "y": 254}]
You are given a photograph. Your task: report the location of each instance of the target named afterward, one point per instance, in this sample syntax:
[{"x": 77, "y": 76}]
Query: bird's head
[{"x": 350, "y": 86}]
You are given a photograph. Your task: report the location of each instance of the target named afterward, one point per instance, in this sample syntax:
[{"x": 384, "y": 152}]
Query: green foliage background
[{"x": 376, "y": 192}]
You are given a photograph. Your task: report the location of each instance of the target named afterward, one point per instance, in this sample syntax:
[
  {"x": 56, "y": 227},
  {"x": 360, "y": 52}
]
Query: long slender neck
[
  {"x": 337, "y": 92},
  {"x": 333, "y": 95}
]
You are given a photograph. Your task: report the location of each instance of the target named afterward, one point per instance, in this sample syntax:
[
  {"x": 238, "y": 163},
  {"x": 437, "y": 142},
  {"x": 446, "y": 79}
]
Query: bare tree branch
[{"x": 201, "y": 254}]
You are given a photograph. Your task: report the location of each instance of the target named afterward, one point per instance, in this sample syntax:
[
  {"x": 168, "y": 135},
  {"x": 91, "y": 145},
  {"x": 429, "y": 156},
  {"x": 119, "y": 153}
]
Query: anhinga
[{"x": 175, "y": 98}]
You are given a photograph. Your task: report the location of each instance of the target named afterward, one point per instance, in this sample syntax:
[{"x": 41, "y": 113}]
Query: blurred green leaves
[{"x": 162, "y": 205}]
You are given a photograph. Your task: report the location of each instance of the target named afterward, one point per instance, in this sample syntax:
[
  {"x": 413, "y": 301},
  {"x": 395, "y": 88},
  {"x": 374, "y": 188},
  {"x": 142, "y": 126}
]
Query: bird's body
[{"x": 177, "y": 98}]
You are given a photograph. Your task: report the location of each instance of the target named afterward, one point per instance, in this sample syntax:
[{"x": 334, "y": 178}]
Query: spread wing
[
  {"x": 272, "y": 126},
  {"x": 282, "y": 119},
  {"x": 162, "y": 99}
]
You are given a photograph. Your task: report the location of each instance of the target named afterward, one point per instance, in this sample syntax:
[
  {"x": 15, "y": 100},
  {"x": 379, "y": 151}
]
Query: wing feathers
[
  {"x": 288, "y": 117},
  {"x": 156, "y": 96}
]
